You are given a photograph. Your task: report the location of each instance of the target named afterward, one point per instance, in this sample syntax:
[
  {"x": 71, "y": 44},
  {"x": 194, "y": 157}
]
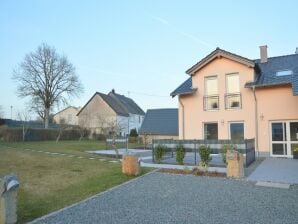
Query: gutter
[
  {"x": 182, "y": 116},
  {"x": 256, "y": 121}
]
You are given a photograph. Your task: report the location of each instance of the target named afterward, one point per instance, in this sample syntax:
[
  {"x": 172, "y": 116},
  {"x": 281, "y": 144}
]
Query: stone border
[{"x": 181, "y": 167}]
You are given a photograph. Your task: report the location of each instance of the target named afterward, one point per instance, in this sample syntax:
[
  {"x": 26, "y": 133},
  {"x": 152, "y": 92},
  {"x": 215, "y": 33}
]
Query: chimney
[
  {"x": 113, "y": 91},
  {"x": 296, "y": 52},
  {"x": 263, "y": 53}
]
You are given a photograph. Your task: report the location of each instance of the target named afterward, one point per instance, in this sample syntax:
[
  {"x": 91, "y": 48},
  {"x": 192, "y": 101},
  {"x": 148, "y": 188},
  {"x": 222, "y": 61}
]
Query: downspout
[
  {"x": 256, "y": 121},
  {"x": 182, "y": 106}
]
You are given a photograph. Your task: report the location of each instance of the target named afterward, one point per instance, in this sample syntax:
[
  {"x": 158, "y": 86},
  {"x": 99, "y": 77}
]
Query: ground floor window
[
  {"x": 237, "y": 131},
  {"x": 211, "y": 131},
  {"x": 284, "y": 138}
]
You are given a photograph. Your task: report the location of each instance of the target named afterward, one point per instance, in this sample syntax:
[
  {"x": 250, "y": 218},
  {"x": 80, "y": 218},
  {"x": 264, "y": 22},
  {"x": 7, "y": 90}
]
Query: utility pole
[{"x": 127, "y": 136}]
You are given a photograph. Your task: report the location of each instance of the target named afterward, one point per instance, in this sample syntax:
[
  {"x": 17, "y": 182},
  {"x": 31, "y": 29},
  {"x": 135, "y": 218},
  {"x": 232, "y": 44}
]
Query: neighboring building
[
  {"x": 103, "y": 111},
  {"x": 231, "y": 97},
  {"x": 67, "y": 116},
  {"x": 160, "y": 124}
]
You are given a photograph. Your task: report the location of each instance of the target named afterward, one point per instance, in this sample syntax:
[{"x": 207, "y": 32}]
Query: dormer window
[{"x": 284, "y": 73}]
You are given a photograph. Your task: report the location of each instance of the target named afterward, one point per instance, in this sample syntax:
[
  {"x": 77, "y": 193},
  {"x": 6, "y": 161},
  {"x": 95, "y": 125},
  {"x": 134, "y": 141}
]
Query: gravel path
[{"x": 170, "y": 198}]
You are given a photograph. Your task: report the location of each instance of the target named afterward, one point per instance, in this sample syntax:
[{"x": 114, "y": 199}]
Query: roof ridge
[
  {"x": 213, "y": 54},
  {"x": 286, "y": 55},
  {"x": 163, "y": 109}
]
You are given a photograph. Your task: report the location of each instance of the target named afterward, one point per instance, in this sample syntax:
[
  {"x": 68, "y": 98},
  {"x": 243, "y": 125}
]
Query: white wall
[{"x": 134, "y": 121}]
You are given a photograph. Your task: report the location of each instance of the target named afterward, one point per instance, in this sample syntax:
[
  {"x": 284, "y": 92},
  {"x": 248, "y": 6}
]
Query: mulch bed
[{"x": 195, "y": 172}]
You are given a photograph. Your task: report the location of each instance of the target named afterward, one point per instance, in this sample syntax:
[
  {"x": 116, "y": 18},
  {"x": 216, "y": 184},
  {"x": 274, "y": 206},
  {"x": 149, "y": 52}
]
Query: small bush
[
  {"x": 159, "y": 152},
  {"x": 133, "y": 133},
  {"x": 224, "y": 150},
  {"x": 205, "y": 152},
  {"x": 180, "y": 154},
  {"x": 133, "y": 139}
]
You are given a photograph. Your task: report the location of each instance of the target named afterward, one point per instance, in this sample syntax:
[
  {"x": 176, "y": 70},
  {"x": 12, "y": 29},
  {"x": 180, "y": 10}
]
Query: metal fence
[
  {"x": 120, "y": 141},
  {"x": 246, "y": 147}
]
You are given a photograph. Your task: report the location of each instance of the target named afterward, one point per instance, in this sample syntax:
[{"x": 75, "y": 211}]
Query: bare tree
[
  {"x": 1, "y": 112},
  {"x": 1, "y": 116},
  {"x": 36, "y": 106},
  {"x": 47, "y": 78},
  {"x": 62, "y": 126},
  {"x": 24, "y": 117},
  {"x": 115, "y": 127}
]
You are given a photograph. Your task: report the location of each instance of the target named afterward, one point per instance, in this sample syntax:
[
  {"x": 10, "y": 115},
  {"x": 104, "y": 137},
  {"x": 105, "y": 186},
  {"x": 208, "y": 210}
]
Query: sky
[{"x": 139, "y": 48}]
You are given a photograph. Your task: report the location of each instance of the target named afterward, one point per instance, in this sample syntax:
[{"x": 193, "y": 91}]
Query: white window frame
[
  {"x": 287, "y": 141},
  {"x": 206, "y": 95},
  {"x": 228, "y": 93}
]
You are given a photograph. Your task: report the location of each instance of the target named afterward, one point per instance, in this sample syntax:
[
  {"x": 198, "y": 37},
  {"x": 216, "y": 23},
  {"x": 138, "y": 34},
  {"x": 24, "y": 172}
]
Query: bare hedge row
[{"x": 16, "y": 134}]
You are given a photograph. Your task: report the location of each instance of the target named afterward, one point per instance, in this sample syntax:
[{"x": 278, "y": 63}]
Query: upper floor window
[
  {"x": 211, "y": 99},
  {"x": 233, "y": 96},
  {"x": 284, "y": 72}
]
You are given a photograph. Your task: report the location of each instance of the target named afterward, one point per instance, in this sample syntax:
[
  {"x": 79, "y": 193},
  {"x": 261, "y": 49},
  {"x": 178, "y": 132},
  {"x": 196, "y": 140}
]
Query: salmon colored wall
[
  {"x": 276, "y": 103},
  {"x": 194, "y": 113}
]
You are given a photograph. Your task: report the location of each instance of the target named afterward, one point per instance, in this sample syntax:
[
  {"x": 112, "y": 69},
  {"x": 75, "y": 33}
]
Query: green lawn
[
  {"x": 50, "y": 182},
  {"x": 68, "y": 147}
]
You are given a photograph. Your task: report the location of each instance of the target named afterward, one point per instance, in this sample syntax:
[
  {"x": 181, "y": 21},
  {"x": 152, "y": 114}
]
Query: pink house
[{"x": 228, "y": 96}]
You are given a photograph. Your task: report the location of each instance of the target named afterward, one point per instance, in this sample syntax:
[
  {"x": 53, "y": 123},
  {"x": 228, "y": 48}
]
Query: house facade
[
  {"x": 112, "y": 112},
  {"x": 67, "y": 116},
  {"x": 228, "y": 96},
  {"x": 160, "y": 124}
]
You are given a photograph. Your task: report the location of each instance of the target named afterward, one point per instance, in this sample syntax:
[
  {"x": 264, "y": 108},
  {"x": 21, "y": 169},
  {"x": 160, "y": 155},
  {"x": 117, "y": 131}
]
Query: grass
[
  {"x": 68, "y": 147},
  {"x": 50, "y": 182}
]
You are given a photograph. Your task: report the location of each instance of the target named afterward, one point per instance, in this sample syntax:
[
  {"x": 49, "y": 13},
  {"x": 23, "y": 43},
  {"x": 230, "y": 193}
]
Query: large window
[
  {"x": 233, "y": 96},
  {"x": 211, "y": 131},
  {"x": 237, "y": 131},
  {"x": 211, "y": 99}
]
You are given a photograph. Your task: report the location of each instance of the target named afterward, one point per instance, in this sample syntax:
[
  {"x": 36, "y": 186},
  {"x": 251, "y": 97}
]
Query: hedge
[{"x": 16, "y": 134}]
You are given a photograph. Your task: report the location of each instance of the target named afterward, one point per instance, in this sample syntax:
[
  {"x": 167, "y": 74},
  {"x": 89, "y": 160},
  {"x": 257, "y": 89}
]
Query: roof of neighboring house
[
  {"x": 184, "y": 88},
  {"x": 160, "y": 122},
  {"x": 122, "y": 105},
  {"x": 76, "y": 108},
  {"x": 265, "y": 72},
  {"x": 127, "y": 103}
]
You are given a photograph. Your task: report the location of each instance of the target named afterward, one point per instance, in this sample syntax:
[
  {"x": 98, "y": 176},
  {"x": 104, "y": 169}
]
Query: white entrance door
[{"x": 284, "y": 138}]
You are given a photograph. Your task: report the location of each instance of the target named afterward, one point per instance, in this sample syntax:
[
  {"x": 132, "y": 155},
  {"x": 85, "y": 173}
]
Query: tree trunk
[
  {"x": 24, "y": 133},
  {"x": 59, "y": 135},
  {"x": 46, "y": 117}
]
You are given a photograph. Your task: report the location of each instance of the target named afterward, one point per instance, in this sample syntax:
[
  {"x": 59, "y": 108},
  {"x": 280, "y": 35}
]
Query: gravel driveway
[{"x": 170, "y": 198}]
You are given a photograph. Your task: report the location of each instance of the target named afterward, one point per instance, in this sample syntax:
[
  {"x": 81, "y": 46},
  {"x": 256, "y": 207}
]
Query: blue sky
[{"x": 141, "y": 47}]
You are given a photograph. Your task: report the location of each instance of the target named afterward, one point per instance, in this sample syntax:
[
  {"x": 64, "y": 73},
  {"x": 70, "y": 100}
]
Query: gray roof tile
[
  {"x": 122, "y": 105},
  {"x": 267, "y": 72},
  {"x": 127, "y": 103},
  {"x": 160, "y": 122},
  {"x": 184, "y": 88}
]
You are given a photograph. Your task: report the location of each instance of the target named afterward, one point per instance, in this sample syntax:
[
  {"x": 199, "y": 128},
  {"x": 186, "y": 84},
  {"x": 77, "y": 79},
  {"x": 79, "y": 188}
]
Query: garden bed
[{"x": 195, "y": 172}]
